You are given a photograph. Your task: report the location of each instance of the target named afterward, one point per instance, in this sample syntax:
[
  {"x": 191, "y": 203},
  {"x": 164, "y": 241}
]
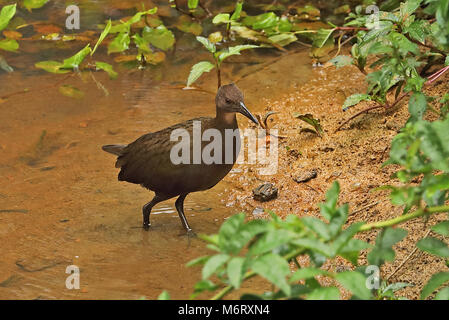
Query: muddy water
[{"x": 60, "y": 201}]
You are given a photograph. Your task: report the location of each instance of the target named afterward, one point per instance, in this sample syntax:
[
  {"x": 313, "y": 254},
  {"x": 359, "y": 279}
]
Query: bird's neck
[{"x": 226, "y": 119}]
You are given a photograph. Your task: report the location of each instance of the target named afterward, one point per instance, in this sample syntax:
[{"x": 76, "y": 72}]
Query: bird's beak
[{"x": 244, "y": 110}]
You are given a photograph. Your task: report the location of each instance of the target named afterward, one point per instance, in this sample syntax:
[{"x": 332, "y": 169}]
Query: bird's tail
[{"x": 116, "y": 149}]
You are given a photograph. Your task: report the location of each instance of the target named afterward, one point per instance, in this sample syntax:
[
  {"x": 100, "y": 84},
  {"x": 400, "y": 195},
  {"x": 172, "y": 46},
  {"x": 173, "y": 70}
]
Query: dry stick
[
  {"x": 406, "y": 259},
  {"x": 365, "y": 207},
  {"x": 205, "y": 8},
  {"x": 432, "y": 78},
  {"x": 378, "y": 106}
]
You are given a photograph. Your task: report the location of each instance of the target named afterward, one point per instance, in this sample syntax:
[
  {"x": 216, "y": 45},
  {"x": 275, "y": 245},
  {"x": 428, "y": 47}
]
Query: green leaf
[
  {"x": 103, "y": 35},
  {"x": 192, "y": 4},
  {"x": 434, "y": 283},
  {"x": 308, "y": 118},
  {"x": 223, "y": 54},
  {"x": 355, "y": 282},
  {"x": 383, "y": 251},
  {"x": 329, "y": 207},
  {"x": 442, "y": 228},
  {"x": 164, "y": 295},
  {"x": 307, "y": 273},
  {"x": 270, "y": 240},
  {"x": 72, "y": 92},
  {"x": 265, "y": 21},
  {"x": 345, "y": 236},
  {"x": 6, "y": 15},
  {"x": 160, "y": 37},
  {"x": 74, "y": 61},
  {"x": 434, "y": 246},
  {"x": 124, "y": 27},
  {"x": 213, "y": 264},
  {"x": 221, "y": 18},
  {"x": 417, "y": 30},
  {"x": 447, "y": 61},
  {"x": 212, "y": 239},
  {"x": 235, "y": 271},
  {"x": 351, "y": 250},
  {"x": 186, "y": 24},
  {"x": 341, "y": 61},
  {"x": 202, "y": 286},
  {"x": 319, "y": 227},
  {"x": 283, "y": 39},
  {"x": 197, "y": 261},
  {"x": 273, "y": 268},
  {"x": 322, "y": 37},
  {"x": 408, "y": 7},
  {"x": 197, "y": 70},
  {"x": 108, "y": 68},
  {"x": 314, "y": 245},
  {"x": 417, "y": 105},
  {"x": 393, "y": 287},
  {"x": 355, "y": 99},
  {"x": 51, "y": 66},
  {"x": 141, "y": 44},
  {"x": 324, "y": 293},
  {"x": 119, "y": 44},
  {"x": 238, "y": 10},
  {"x": 34, "y": 4},
  {"x": 443, "y": 294},
  {"x": 9, "y": 45},
  {"x": 207, "y": 44}
]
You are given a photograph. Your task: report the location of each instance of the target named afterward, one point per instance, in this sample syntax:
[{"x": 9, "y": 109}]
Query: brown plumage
[{"x": 147, "y": 160}]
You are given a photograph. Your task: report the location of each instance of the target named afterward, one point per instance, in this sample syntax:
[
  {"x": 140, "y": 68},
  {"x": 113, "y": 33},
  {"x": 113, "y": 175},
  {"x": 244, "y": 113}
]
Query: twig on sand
[
  {"x": 406, "y": 259},
  {"x": 365, "y": 207}
]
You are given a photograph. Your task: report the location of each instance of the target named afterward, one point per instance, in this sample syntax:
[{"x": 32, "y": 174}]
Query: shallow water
[{"x": 61, "y": 203}]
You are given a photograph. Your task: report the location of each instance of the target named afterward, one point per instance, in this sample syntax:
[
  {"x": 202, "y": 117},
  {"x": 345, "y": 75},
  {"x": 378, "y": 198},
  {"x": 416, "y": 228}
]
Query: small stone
[
  {"x": 393, "y": 125},
  {"x": 356, "y": 186},
  {"x": 265, "y": 192},
  {"x": 257, "y": 212},
  {"x": 305, "y": 175},
  {"x": 294, "y": 153}
]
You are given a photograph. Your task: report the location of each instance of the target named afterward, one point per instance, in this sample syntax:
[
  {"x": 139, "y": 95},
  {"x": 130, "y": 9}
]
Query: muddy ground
[{"x": 353, "y": 156}]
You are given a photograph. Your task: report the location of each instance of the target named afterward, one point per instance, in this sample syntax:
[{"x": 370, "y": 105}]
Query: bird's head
[{"x": 229, "y": 99}]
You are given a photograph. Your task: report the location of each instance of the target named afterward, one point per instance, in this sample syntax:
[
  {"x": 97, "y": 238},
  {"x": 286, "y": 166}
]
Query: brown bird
[{"x": 152, "y": 162}]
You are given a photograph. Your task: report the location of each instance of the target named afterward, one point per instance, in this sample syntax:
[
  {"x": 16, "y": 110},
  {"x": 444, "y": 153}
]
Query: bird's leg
[
  {"x": 179, "y": 204},
  {"x": 146, "y": 210}
]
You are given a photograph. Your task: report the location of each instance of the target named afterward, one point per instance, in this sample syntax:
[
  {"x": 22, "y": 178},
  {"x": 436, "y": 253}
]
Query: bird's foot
[
  {"x": 191, "y": 233},
  {"x": 146, "y": 226}
]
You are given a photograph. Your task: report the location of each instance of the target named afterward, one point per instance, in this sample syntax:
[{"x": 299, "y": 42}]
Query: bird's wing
[{"x": 147, "y": 160}]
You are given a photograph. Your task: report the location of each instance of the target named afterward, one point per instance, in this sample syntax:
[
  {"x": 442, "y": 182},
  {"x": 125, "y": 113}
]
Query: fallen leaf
[
  {"x": 12, "y": 34},
  {"x": 71, "y": 92},
  {"x": 126, "y": 58},
  {"x": 47, "y": 28},
  {"x": 155, "y": 57}
]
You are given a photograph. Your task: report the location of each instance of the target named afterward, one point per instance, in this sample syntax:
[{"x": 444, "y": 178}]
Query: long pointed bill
[{"x": 244, "y": 110}]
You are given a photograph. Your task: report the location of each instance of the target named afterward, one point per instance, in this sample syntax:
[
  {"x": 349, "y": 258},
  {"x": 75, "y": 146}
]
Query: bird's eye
[{"x": 228, "y": 101}]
